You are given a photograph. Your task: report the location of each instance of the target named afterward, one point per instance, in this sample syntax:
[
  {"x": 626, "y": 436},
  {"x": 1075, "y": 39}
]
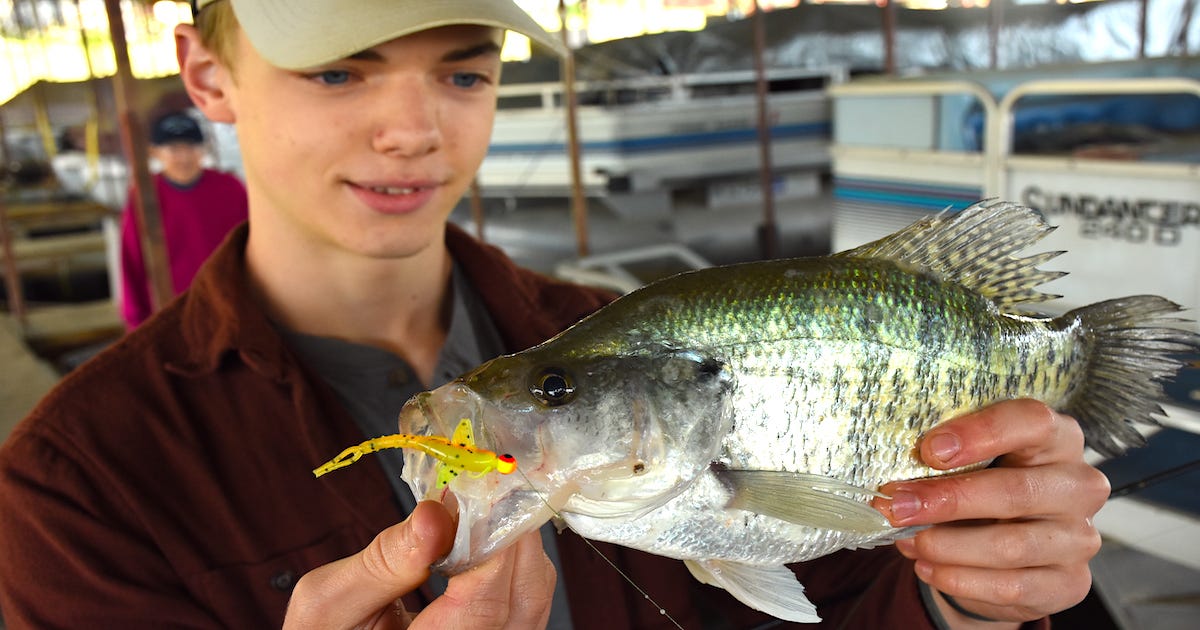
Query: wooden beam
[
  {"x": 889, "y": 37},
  {"x": 1142, "y": 11},
  {"x": 4, "y": 150},
  {"x": 12, "y": 279},
  {"x": 477, "y": 207},
  {"x": 571, "y": 103},
  {"x": 995, "y": 23},
  {"x": 768, "y": 232},
  {"x": 133, "y": 137}
]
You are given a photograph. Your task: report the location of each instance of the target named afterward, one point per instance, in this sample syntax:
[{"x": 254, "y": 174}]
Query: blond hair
[{"x": 218, "y": 32}]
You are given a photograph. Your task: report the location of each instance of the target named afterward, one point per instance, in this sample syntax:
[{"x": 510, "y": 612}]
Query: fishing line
[
  {"x": 1158, "y": 477},
  {"x": 662, "y": 611}
]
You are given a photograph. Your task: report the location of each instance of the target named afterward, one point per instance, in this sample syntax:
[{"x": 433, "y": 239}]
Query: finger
[
  {"x": 1074, "y": 490},
  {"x": 1014, "y": 594},
  {"x": 483, "y": 597},
  {"x": 533, "y": 587},
  {"x": 1015, "y": 545},
  {"x": 346, "y": 592},
  {"x": 1024, "y": 432}
]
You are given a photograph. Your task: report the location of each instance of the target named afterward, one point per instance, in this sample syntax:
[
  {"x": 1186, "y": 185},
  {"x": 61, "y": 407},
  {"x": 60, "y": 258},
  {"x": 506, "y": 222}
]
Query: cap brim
[{"x": 297, "y": 35}]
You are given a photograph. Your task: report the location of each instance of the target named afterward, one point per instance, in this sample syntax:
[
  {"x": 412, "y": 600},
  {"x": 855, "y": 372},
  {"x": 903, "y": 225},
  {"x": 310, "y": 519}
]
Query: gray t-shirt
[{"x": 374, "y": 384}]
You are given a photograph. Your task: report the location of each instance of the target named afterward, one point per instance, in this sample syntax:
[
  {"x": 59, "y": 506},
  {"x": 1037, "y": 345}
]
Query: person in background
[
  {"x": 168, "y": 483},
  {"x": 198, "y": 205}
]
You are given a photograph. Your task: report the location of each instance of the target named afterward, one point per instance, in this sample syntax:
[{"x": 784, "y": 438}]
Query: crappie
[{"x": 741, "y": 417}]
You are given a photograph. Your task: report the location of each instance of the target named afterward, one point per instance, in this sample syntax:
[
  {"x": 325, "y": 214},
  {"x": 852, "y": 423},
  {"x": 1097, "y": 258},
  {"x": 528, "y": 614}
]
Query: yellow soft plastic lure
[{"x": 456, "y": 454}]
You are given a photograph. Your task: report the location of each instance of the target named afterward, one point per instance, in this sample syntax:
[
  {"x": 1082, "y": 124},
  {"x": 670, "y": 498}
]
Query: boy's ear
[{"x": 203, "y": 75}]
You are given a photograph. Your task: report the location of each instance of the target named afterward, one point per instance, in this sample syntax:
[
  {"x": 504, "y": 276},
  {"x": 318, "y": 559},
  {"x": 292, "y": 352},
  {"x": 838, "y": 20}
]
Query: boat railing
[
  {"x": 895, "y": 154},
  {"x": 882, "y": 163},
  {"x": 1002, "y": 127},
  {"x": 919, "y": 89},
  {"x": 648, "y": 89},
  {"x": 627, "y": 270}
]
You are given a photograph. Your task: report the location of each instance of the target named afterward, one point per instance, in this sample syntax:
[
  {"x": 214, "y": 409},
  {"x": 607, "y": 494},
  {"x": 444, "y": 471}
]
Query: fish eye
[{"x": 553, "y": 386}]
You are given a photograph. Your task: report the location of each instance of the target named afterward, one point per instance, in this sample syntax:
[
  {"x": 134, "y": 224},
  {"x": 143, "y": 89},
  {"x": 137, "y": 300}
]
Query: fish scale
[{"x": 879, "y": 310}]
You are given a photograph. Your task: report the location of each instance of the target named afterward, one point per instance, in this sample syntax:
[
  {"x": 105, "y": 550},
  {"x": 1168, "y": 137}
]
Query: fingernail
[
  {"x": 924, "y": 570},
  {"x": 905, "y": 505},
  {"x": 944, "y": 446}
]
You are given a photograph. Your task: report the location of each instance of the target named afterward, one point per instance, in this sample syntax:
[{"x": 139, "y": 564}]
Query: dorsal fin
[{"x": 977, "y": 249}]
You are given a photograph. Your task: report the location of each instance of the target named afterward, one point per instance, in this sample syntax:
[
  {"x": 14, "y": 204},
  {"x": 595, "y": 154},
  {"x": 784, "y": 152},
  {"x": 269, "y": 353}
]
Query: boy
[
  {"x": 168, "y": 483},
  {"x": 199, "y": 207}
]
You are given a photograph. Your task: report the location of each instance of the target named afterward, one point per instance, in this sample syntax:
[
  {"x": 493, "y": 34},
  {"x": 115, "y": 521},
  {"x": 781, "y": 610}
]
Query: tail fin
[{"x": 1133, "y": 350}]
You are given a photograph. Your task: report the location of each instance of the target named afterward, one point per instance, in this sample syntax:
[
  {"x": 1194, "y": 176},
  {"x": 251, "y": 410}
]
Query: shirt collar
[{"x": 222, "y": 314}]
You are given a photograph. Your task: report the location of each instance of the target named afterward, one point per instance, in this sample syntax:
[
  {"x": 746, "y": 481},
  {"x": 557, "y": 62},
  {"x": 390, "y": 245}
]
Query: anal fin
[{"x": 771, "y": 589}]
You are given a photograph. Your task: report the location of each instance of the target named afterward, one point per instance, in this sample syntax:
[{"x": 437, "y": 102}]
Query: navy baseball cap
[{"x": 176, "y": 127}]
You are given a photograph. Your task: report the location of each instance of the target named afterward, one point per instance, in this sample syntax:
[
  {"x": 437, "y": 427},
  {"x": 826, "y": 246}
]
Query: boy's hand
[
  {"x": 512, "y": 590},
  {"x": 1010, "y": 542}
]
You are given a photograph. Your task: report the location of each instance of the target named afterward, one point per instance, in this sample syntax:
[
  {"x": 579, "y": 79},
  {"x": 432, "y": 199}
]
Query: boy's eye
[
  {"x": 332, "y": 77},
  {"x": 465, "y": 79}
]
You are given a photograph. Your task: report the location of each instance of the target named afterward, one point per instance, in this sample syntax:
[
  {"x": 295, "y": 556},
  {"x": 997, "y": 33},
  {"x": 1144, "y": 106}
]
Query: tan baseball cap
[{"x": 296, "y": 34}]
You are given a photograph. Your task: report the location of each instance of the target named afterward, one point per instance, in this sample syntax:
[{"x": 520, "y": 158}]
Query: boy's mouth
[
  {"x": 394, "y": 198},
  {"x": 392, "y": 190}
]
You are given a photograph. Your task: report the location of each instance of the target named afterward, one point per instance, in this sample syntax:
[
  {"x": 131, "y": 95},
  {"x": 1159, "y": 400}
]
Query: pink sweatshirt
[{"x": 195, "y": 220}]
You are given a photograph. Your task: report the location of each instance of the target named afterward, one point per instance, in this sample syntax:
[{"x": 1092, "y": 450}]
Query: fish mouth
[{"x": 494, "y": 509}]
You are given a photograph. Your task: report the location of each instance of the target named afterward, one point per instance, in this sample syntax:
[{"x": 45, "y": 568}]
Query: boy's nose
[{"x": 408, "y": 122}]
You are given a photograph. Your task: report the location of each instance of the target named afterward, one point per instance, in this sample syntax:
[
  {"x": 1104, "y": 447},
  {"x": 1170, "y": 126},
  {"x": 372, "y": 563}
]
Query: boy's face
[
  {"x": 367, "y": 155},
  {"x": 182, "y": 162}
]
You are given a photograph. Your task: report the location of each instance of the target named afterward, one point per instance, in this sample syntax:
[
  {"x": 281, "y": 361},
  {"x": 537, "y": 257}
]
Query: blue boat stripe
[
  {"x": 910, "y": 194},
  {"x": 906, "y": 186}
]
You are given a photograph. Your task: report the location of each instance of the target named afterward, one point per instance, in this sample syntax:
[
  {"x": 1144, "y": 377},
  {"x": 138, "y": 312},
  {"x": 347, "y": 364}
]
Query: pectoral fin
[
  {"x": 804, "y": 499},
  {"x": 771, "y": 589}
]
